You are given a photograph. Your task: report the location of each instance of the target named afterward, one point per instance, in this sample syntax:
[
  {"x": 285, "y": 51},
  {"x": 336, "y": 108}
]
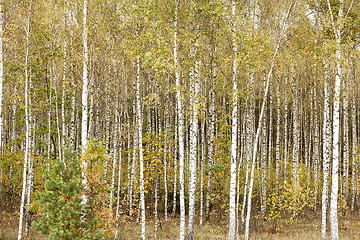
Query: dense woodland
[{"x": 243, "y": 114}]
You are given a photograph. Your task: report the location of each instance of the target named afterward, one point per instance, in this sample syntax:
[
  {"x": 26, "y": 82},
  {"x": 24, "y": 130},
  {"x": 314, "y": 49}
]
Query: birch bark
[
  {"x": 141, "y": 157},
  {"x": 336, "y": 122},
  {"x": 194, "y": 122},
  {"x": 84, "y": 120},
  {"x": 22, "y": 203},
  {"x": 354, "y": 142},
  {"x": 277, "y": 163},
  {"x": 296, "y": 135},
  {"x": 212, "y": 118},
  {"x": 115, "y": 153},
  {"x": 326, "y": 155},
  {"x": 180, "y": 127},
  {"x": 233, "y": 152}
]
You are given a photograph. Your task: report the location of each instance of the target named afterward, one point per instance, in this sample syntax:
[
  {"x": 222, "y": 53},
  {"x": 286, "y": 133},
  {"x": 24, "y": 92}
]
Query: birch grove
[{"x": 179, "y": 119}]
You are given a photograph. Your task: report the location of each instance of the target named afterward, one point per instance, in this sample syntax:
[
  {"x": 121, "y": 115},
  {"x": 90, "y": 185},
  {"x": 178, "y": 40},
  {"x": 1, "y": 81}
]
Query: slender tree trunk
[
  {"x": 63, "y": 128},
  {"x": 141, "y": 157},
  {"x": 90, "y": 130},
  {"x": 84, "y": 120},
  {"x": 175, "y": 165},
  {"x": 57, "y": 116},
  {"x": 117, "y": 215},
  {"x": 115, "y": 139},
  {"x": 354, "y": 141},
  {"x": 133, "y": 169},
  {"x": 336, "y": 123},
  {"x": 156, "y": 206},
  {"x": 202, "y": 150},
  {"x": 180, "y": 127},
  {"x": 271, "y": 152},
  {"x": 277, "y": 163},
  {"x": 49, "y": 120},
  {"x": 326, "y": 155},
  {"x": 107, "y": 124},
  {"x": 296, "y": 135},
  {"x": 346, "y": 145},
  {"x": 286, "y": 126},
  {"x": 211, "y": 148},
  {"x": 30, "y": 176},
  {"x": 316, "y": 147},
  {"x": 232, "y": 194},
  {"x": 263, "y": 173},
  {"x": 165, "y": 171},
  {"x": 194, "y": 123},
  {"x": 22, "y": 203},
  {"x": 73, "y": 99}
]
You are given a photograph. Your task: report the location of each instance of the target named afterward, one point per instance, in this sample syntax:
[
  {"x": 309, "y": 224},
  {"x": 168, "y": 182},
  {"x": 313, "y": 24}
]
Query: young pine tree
[{"x": 63, "y": 216}]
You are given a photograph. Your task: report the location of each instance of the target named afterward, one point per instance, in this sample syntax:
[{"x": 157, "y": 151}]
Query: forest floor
[{"x": 307, "y": 229}]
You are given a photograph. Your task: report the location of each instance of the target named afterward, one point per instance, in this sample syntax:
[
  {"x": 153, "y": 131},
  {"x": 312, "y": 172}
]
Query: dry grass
[
  {"x": 9, "y": 227},
  {"x": 307, "y": 229},
  {"x": 349, "y": 228}
]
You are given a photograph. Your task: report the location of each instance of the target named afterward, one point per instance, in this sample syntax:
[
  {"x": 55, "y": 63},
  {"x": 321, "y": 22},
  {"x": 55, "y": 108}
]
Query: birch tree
[
  {"x": 232, "y": 194},
  {"x": 326, "y": 154},
  {"x": 179, "y": 108},
  {"x": 139, "y": 121},
  {"x": 84, "y": 116},
  {"x": 27, "y": 145},
  {"x": 337, "y": 28}
]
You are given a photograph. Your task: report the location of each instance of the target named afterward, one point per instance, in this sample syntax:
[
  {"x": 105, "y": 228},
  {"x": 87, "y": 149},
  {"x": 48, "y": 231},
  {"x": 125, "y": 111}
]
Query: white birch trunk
[
  {"x": 30, "y": 176},
  {"x": 277, "y": 152},
  {"x": 156, "y": 206},
  {"x": 165, "y": 172},
  {"x": 194, "y": 123},
  {"x": 202, "y": 150},
  {"x": 22, "y": 203},
  {"x": 316, "y": 147},
  {"x": 115, "y": 139},
  {"x": 90, "y": 131},
  {"x": 64, "y": 132},
  {"x": 212, "y": 118},
  {"x": 117, "y": 215},
  {"x": 180, "y": 127},
  {"x": 296, "y": 135},
  {"x": 57, "y": 115},
  {"x": 271, "y": 152},
  {"x": 336, "y": 122},
  {"x": 84, "y": 120},
  {"x": 133, "y": 169},
  {"x": 286, "y": 124},
  {"x": 73, "y": 100},
  {"x": 346, "y": 145},
  {"x": 326, "y": 155},
  {"x": 175, "y": 165},
  {"x": 354, "y": 143},
  {"x": 263, "y": 173},
  {"x": 107, "y": 124},
  {"x": 141, "y": 157},
  {"x": 233, "y": 152}
]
